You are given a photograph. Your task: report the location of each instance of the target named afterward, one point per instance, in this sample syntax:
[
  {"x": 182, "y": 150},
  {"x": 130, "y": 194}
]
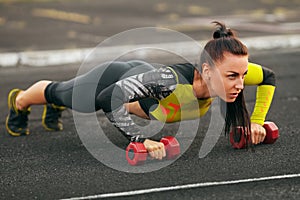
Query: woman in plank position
[{"x": 135, "y": 87}]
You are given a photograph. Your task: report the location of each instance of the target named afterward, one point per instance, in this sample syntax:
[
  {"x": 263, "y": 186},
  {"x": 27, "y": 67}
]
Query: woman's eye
[{"x": 231, "y": 76}]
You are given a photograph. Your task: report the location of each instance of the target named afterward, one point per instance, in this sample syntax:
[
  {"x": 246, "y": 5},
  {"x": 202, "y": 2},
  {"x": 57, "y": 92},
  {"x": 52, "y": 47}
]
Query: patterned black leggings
[{"x": 81, "y": 92}]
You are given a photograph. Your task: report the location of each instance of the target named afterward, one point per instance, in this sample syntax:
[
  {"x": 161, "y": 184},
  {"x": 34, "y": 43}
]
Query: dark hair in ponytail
[{"x": 225, "y": 40}]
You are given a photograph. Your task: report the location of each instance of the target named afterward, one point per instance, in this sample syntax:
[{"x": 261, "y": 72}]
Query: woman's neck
[{"x": 200, "y": 87}]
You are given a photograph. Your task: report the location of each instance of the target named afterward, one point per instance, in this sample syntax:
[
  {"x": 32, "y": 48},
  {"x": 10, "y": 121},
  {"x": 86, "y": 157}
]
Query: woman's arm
[
  {"x": 265, "y": 79},
  {"x": 154, "y": 84}
]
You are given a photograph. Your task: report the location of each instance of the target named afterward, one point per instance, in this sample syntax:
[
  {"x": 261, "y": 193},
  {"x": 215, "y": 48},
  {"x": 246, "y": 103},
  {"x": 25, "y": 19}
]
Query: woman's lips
[{"x": 233, "y": 95}]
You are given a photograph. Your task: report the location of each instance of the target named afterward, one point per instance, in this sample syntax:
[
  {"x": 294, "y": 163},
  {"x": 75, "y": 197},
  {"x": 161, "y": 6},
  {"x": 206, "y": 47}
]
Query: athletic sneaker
[
  {"x": 17, "y": 120},
  {"x": 51, "y": 117}
]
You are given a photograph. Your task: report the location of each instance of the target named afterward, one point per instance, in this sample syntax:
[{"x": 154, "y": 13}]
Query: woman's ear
[{"x": 206, "y": 71}]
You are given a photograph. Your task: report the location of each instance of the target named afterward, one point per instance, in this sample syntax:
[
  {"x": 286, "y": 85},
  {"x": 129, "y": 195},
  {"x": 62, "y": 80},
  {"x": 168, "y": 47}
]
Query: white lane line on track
[
  {"x": 70, "y": 56},
  {"x": 182, "y": 187}
]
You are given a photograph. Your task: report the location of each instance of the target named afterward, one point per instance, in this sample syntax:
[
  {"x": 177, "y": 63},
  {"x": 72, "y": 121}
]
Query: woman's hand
[
  {"x": 258, "y": 133},
  {"x": 155, "y": 149}
]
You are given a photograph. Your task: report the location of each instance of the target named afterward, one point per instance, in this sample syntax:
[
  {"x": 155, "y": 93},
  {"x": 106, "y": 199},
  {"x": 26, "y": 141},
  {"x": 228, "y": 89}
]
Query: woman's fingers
[
  {"x": 258, "y": 133},
  {"x": 155, "y": 149},
  {"x": 156, "y": 153}
]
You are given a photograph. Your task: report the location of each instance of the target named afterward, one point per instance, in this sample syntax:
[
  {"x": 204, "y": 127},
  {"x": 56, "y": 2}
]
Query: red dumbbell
[
  {"x": 272, "y": 133},
  {"x": 238, "y": 139},
  {"x": 136, "y": 153}
]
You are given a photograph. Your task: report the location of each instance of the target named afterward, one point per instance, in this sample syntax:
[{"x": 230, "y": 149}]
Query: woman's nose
[{"x": 240, "y": 84}]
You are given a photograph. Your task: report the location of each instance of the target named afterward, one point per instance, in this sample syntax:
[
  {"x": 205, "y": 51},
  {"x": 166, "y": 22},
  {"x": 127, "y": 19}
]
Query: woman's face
[{"x": 227, "y": 77}]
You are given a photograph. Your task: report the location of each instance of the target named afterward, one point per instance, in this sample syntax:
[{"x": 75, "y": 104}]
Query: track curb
[{"x": 70, "y": 56}]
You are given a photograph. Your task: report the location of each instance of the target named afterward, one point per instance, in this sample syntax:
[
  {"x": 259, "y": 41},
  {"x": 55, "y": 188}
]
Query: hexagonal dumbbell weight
[
  {"x": 272, "y": 133},
  {"x": 136, "y": 153}
]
